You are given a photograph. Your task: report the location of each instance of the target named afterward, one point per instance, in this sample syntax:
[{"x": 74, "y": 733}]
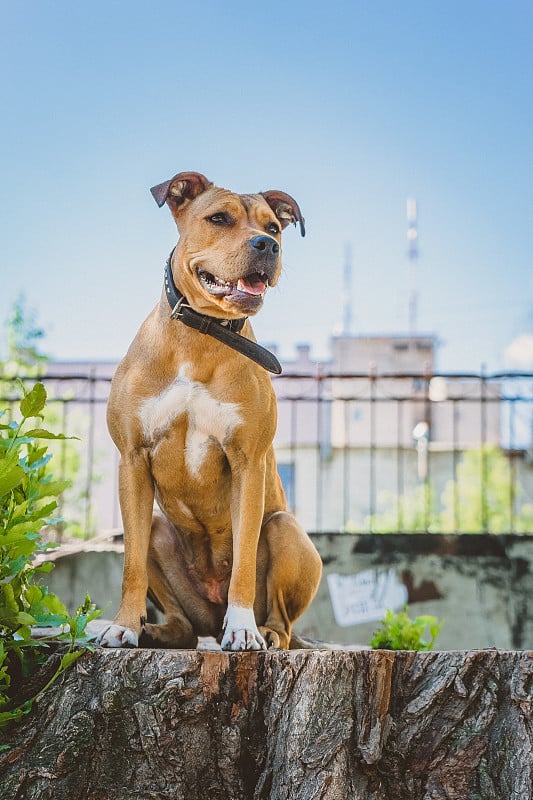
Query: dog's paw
[
  {"x": 117, "y": 636},
  {"x": 240, "y": 630},
  {"x": 274, "y": 641}
]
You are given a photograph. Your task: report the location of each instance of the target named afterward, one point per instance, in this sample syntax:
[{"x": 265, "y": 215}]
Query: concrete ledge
[{"x": 481, "y": 584}]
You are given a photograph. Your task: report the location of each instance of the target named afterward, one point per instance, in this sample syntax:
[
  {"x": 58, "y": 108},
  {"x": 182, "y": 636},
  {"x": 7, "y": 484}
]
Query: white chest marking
[{"x": 207, "y": 417}]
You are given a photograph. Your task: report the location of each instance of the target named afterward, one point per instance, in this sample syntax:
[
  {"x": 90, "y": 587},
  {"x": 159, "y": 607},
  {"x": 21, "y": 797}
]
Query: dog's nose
[{"x": 265, "y": 244}]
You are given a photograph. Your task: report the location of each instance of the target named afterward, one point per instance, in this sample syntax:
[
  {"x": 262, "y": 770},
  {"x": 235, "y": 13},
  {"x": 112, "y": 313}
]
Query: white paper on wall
[{"x": 366, "y": 596}]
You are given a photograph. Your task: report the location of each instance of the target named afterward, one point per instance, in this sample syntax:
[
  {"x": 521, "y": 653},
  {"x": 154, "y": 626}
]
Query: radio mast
[
  {"x": 412, "y": 254},
  {"x": 347, "y": 291}
]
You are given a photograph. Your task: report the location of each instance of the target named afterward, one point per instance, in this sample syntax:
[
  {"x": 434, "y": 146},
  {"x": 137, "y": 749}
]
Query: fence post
[
  {"x": 90, "y": 452},
  {"x": 373, "y": 387},
  {"x": 483, "y": 415}
]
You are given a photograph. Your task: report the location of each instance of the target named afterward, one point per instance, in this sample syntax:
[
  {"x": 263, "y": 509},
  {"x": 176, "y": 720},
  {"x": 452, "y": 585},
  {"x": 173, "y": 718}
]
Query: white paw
[
  {"x": 240, "y": 630},
  {"x": 117, "y": 636}
]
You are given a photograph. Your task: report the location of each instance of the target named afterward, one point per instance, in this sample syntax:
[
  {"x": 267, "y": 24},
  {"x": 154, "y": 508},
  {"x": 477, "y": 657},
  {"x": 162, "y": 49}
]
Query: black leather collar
[{"x": 225, "y": 330}]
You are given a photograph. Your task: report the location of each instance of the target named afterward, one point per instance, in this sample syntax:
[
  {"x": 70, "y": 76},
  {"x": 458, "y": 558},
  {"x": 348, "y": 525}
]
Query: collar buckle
[{"x": 176, "y": 312}]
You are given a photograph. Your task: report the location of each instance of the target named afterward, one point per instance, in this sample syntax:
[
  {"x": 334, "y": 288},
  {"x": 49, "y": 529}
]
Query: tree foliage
[
  {"x": 25, "y": 359},
  {"x": 23, "y": 338},
  {"x": 482, "y": 497}
]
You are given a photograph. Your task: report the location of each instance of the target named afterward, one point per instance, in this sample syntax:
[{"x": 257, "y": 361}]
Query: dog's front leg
[
  {"x": 247, "y": 506},
  {"x": 136, "y": 494}
]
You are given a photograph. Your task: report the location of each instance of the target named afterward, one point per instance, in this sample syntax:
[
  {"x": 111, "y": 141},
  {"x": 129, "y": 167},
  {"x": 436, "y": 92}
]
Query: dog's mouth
[{"x": 249, "y": 286}]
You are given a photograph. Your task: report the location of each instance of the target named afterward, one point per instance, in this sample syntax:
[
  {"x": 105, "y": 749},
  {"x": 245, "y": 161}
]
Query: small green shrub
[
  {"x": 28, "y": 500},
  {"x": 400, "y": 632}
]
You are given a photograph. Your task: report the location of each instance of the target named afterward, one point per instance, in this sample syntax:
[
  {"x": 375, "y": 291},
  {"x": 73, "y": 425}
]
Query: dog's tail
[{"x": 303, "y": 643}]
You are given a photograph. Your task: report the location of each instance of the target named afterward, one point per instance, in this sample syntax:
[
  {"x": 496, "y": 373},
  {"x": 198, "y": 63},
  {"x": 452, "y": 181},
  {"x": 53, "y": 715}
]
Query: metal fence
[
  {"x": 356, "y": 452},
  {"x": 408, "y": 452}
]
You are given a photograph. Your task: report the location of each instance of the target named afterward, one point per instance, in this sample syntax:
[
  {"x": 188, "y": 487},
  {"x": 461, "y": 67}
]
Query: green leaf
[
  {"x": 69, "y": 658},
  {"x": 41, "y": 433},
  {"x": 10, "y": 479},
  {"x": 25, "y": 619},
  {"x": 54, "y": 604},
  {"x": 22, "y": 528},
  {"x": 46, "y": 566},
  {"x": 37, "y": 457},
  {"x": 11, "y": 472},
  {"x": 10, "y": 716},
  {"x": 34, "y": 594},
  {"x": 53, "y": 488},
  {"x": 46, "y": 607},
  {"x": 33, "y": 403},
  {"x": 43, "y": 510}
]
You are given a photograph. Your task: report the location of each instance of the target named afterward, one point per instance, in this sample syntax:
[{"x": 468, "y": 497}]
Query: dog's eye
[
  {"x": 220, "y": 218},
  {"x": 272, "y": 228}
]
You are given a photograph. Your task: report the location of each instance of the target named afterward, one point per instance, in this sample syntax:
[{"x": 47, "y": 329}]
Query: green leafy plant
[
  {"x": 28, "y": 500},
  {"x": 400, "y": 632}
]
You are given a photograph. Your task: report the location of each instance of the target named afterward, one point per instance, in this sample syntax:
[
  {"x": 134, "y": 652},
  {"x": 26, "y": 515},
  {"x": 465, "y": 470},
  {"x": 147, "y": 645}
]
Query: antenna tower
[
  {"x": 412, "y": 254},
  {"x": 347, "y": 292}
]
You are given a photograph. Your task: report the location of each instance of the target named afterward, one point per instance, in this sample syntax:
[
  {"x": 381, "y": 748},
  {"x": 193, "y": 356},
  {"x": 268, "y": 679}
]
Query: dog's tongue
[{"x": 251, "y": 285}]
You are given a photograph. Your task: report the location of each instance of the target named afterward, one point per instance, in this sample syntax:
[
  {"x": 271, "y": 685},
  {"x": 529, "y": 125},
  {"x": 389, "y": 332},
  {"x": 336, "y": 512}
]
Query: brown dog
[{"x": 194, "y": 421}]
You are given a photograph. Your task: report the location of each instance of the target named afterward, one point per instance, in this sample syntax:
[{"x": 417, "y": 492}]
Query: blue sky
[{"x": 351, "y": 107}]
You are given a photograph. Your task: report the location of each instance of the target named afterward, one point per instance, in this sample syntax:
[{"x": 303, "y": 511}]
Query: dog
[{"x": 193, "y": 413}]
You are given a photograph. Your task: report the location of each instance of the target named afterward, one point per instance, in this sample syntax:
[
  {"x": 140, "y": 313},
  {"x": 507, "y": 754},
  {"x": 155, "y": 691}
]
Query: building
[
  {"x": 358, "y": 433},
  {"x": 375, "y": 423}
]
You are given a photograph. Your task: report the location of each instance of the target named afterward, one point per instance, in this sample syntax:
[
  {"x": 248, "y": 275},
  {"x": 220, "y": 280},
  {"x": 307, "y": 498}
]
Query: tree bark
[{"x": 298, "y": 725}]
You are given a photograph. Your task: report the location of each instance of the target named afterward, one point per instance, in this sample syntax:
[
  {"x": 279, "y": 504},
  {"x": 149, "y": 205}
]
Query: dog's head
[{"x": 229, "y": 249}]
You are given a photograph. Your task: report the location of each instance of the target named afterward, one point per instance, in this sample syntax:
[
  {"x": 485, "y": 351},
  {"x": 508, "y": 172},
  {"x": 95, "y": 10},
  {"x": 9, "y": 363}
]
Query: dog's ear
[
  {"x": 183, "y": 186},
  {"x": 285, "y": 208}
]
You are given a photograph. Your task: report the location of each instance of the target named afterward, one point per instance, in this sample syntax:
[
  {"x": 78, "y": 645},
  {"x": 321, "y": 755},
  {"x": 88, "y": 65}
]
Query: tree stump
[{"x": 298, "y": 725}]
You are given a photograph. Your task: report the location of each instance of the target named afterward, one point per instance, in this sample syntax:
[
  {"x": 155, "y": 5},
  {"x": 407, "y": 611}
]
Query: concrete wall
[{"x": 482, "y": 585}]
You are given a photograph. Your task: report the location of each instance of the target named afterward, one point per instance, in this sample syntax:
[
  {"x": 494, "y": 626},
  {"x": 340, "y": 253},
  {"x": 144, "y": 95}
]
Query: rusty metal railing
[{"x": 361, "y": 452}]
